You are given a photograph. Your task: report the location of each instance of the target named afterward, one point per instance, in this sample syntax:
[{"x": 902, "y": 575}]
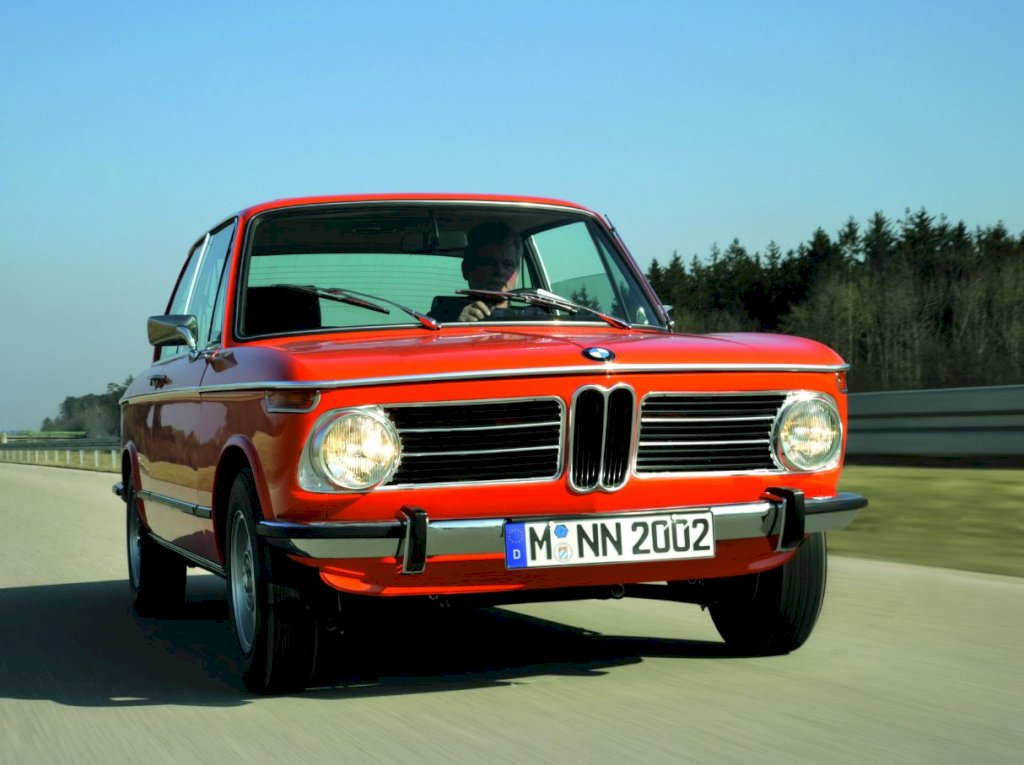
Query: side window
[
  {"x": 582, "y": 267},
  {"x": 183, "y": 292},
  {"x": 575, "y": 268},
  {"x": 208, "y": 296},
  {"x": 630, "y": 303}
]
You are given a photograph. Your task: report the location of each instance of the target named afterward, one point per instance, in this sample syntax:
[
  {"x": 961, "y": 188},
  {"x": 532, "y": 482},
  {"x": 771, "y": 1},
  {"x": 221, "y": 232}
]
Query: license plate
[{"x": 610, "y": 539}]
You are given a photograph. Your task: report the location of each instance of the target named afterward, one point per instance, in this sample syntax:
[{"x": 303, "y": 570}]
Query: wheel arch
[
  {"x": 237, "y": 455},
  {"x": 130, "y": 464},
  {"x": 130, "y": 473}
]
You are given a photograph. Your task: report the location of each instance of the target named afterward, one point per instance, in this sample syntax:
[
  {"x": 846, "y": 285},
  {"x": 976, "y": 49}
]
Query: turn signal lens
[{"x": 808, "y": 433}]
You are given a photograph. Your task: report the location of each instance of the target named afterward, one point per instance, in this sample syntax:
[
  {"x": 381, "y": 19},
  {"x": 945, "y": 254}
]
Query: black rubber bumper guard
[
  {"x": 793, "y": 510},
  {"x": 414, "y": 557}
]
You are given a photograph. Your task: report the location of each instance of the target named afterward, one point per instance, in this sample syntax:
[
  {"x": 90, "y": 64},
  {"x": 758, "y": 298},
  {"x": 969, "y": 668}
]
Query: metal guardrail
[
  {"x": 63, "y": 443},
  {"x": 24, "y": 437},
  {"x": 85, "y": 453},
  {"x": 951, "y": 422}
]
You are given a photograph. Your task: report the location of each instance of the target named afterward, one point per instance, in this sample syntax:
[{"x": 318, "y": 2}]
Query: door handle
[{"x": 158, "y": 381}]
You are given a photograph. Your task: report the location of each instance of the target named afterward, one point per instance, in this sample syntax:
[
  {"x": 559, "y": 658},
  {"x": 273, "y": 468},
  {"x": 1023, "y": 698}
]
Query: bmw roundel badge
[{"x": 598, "y": 354}]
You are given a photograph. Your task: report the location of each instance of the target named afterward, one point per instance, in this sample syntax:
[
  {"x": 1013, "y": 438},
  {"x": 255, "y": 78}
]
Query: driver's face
[{"x": 495, "y": 267}]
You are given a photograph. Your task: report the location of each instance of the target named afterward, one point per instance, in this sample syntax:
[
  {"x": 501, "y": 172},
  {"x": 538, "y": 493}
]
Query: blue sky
[{"x": 126, "y": 129}]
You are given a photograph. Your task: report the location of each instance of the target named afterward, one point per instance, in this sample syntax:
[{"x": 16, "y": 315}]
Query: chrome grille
[
  {"x": 478, "y": 441},
  {"x": 707, "y": 432},
  {"x": 602, "y": 433}
]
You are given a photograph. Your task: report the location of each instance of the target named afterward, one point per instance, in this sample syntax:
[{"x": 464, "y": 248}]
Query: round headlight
[
  {"x": 358, "y": 449},
  {"x": 808, "y": 434}
]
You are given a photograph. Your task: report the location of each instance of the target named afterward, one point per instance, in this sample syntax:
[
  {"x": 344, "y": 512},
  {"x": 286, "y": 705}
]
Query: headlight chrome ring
[
  {"x": 356, "y": 449},
  {"x": 808, "y": 433}
]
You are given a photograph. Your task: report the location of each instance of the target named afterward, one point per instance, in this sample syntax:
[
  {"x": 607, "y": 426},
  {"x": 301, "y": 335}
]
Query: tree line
[
  {"x": 919, "y": 302},
  {"x": 95, "y": 414}
]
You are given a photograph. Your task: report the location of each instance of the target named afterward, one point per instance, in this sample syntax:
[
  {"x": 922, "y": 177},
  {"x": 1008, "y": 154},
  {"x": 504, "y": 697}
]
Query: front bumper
[{"x": 413, "y": 538}]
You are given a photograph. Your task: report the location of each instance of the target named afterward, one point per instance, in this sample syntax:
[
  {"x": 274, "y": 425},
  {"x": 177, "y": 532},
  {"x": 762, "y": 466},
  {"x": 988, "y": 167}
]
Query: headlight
[
  {"x": 356, "y": 449},
  {"x": 808, "y": 433}
]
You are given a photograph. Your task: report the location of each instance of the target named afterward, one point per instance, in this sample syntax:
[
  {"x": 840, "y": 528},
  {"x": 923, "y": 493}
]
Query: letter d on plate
[{"x": 515, "y": 545}]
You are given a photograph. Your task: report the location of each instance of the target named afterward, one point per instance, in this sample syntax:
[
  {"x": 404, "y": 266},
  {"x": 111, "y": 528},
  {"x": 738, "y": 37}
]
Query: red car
[{"x": 473, "y": 399}]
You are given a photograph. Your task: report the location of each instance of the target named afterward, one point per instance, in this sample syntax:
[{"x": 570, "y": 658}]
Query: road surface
[{"x": 907, "y": 664}]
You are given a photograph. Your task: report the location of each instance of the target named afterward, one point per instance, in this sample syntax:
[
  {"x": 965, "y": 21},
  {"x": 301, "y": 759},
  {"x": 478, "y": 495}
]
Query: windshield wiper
[
  {"x": 362, "y": 300},
  {"x": 545, "y": 299}
]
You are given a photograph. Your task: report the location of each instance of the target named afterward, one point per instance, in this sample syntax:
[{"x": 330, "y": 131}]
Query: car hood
[{"x": 478, "y": 351}]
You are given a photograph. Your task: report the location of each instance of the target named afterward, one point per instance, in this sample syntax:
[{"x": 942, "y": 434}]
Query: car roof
[{"x": 407, "y": 197}]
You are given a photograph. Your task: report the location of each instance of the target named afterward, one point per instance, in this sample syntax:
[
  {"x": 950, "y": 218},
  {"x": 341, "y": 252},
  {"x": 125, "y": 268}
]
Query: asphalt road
[{"x": 908, "y": 664}]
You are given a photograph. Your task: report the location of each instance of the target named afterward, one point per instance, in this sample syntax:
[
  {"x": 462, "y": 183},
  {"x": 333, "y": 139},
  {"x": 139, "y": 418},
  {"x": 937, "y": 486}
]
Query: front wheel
[
  {"x": 773, "y": 612},
  {"x": 156, "y": 575},
  {"x": 275, "y": 630}
]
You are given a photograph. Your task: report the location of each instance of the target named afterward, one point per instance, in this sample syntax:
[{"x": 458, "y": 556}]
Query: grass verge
[{"x": 962, "y": 518}]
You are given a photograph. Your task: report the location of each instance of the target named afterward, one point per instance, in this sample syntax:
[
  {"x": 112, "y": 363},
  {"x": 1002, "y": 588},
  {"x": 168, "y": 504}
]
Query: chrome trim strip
[
  {"x": 190, "y": 393},
  {"x": 606, "y": 370},
  {"x": 199, "y": 511},
  {"x": 459, "y": 484},
  {"x": 478, "y": 428},
  {"x": 457, "y": 401},
  {"x": 708, "y": 419},
  {"x": 486, "y": 536},
  {"x": 507, "y": 450},
  {"x": 200, "y": 561},
  {"x": 646, "y": 475},
  {"x": 287, "y": 206},
  {"x": 200, "y": 260},
  {"x": 814, "y": 524},
  {"x": 712, "y": 393},
  {"x": 705, "y": 443},
  {"x": 364, "y": 547}
]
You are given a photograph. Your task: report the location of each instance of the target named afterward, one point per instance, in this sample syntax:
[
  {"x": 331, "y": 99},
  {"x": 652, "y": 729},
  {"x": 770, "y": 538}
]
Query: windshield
[{"x": 449, "y": 263}]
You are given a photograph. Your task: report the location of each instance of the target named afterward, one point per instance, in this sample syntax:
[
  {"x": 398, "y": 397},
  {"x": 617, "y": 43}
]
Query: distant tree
[
  {"x": 98, "y": 414},
  {"x": 919, "y": 302}
]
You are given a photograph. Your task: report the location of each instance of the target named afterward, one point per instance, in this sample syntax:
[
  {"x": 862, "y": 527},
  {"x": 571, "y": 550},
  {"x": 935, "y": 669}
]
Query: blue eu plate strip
[{"x": 515, "y": 545}]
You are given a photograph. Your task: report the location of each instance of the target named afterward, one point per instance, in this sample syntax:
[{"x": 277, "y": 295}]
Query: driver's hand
[{"x": 475, "y": 311}]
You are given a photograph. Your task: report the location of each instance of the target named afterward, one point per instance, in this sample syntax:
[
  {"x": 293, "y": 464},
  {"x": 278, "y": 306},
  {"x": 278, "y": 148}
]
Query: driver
[{"x": 493, "y": 256}]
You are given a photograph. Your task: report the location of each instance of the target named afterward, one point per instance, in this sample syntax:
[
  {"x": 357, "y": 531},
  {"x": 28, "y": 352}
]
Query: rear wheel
[
  {"x": 155, "y": 574},
  {"x": 274, "y": 627},
  {"x": 773, "y": 612}
]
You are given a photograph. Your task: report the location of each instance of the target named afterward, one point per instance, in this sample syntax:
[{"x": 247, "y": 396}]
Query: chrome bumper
[{"x": 783, "y": 513}]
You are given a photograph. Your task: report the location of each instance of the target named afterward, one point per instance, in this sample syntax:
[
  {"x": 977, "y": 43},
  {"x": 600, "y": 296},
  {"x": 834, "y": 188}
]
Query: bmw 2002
[{"x": 469, "y": 399}]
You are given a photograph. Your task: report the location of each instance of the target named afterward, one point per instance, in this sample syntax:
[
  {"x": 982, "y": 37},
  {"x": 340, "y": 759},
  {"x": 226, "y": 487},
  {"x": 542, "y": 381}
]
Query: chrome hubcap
[{"x": 243, "y": 584}]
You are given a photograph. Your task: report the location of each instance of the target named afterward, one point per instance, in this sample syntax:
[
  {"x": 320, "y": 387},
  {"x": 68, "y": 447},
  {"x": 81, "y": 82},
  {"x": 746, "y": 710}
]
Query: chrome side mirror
[
  {"x": 174, "y": 329},
  {"x": 189, "y": 336}
]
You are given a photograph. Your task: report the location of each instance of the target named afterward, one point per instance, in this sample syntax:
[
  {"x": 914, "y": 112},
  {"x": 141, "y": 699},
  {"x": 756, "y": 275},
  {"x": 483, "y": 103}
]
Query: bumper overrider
[{"x": 413, "y": 538}]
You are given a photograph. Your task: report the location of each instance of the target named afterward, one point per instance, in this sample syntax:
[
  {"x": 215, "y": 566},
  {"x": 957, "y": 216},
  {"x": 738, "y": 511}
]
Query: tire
[
  {"x": 773, "y": 612},
  {"x": 274, "y": 628},
  {"x": 156, "y": 576}
]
